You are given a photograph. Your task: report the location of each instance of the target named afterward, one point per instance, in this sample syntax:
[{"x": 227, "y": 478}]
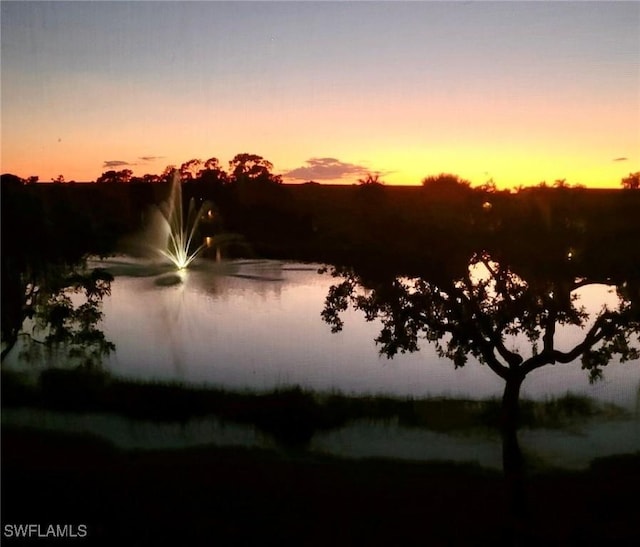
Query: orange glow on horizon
[
  {"x": 510, "y": 173},
  {"x": 516, "y": 140},
  {"x": 534, "y": 93}
]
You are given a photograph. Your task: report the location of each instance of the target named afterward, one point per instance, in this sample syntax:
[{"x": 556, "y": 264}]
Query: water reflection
[
  {"x": 255, "y": 325},
  {"x": 246, "y": 324}
]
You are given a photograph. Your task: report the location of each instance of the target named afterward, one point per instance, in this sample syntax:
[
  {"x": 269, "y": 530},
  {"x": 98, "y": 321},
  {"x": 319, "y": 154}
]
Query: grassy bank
[
  {"x": 214, "y": 496},
  {"x": 291, "y": 416}
]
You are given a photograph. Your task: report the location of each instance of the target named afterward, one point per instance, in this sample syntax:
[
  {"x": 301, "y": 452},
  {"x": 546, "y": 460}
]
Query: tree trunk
[{"x": 512, "y": 459}]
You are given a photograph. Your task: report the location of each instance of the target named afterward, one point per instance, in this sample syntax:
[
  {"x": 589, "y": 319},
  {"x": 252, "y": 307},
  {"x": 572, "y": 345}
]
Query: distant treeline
[
  {"x": 339, "y": 224},
  {"x": 253, "y": 167}
]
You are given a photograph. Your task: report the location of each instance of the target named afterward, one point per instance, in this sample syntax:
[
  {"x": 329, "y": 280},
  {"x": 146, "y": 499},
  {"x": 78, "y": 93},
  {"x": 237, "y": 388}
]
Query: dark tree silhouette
[
  {"x": 372, "y": 179},
  {"x": 167, "y": 174},
  {"x": 44, "y": 245},
  {"x": 115, "y": 177},
  {"x": 11, "y": 181},
  {"x": 147, "y": 178},
  {"x": 60, "y": 323},
  {"x": 212, "y": 163},
  {"x": 474, "y": 308},
  {"x": 212, "y": 175},
  {"x": 189, "y": 169},
  {"x": 445, "y": 182},
  {"x": 632, "y": 182},
  {"x": 489, "y": 187},
  {"x": 252, "y": 168}
]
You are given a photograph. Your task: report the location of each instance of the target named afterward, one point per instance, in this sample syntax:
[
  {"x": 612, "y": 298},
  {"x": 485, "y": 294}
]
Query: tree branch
[
  {"x": 489, "y": 356},
  {"x": 596, "y": 333},
  {"x": 513, "y": 359}
]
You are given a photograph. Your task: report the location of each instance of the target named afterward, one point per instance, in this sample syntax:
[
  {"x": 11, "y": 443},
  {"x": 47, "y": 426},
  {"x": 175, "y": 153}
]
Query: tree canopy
[
  {"x": 631, "y": 182},
  {"x": 445, "y": 182},
  {"x": 473, "y": 311}
]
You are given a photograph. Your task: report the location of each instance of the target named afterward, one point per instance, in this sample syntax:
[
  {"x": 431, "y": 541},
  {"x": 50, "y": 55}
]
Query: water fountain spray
[{"x": 181, "y": 250}]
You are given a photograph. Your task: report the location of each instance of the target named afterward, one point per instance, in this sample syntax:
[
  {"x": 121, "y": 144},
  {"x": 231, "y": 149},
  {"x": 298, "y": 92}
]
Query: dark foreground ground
[{"x": 214, "y": 496}]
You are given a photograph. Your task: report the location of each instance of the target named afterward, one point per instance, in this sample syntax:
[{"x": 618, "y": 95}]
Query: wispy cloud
[
  {"x": 150, "y": 158},
  {"x": 116, "y": 163},
  {"x": 325, "y": 169},
  {"x": 620, "y": 159},
  {"x": 121, "y": 163}
]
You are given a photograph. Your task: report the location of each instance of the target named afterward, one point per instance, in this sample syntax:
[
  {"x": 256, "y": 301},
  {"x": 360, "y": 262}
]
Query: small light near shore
[
  {"x": 487, "y": 206},
  {"x": 208, "y": 241}
]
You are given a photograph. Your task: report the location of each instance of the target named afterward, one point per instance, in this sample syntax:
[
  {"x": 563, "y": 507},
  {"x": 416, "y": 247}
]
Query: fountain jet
[{"x": 181, "y": 249}]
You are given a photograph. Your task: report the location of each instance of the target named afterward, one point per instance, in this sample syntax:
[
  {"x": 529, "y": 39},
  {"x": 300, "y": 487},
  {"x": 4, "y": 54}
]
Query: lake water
[{"x": 257, "y": 325}]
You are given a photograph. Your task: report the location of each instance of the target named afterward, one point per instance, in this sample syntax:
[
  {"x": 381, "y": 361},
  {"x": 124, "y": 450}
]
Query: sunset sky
[{"x": 326, "y": 91}]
